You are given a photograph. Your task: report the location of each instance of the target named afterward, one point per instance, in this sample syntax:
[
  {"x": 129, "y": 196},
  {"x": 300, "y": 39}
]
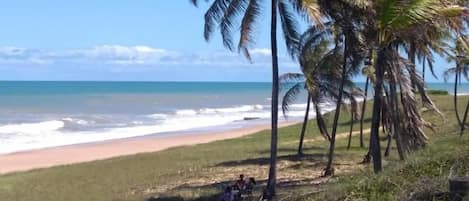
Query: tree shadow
[
  {"x": 261, "y": 184},
  {"x": 179, "y": 198},
  {"x": 294, "y": 150},
  {"x": 266, "y": 160},
  {"x": 367, "y": 120},
  {"x": 169, "y": 198}
]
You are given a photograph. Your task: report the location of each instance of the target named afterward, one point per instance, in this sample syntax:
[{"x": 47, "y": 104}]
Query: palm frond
[
  {"x": 308, "y": 9},
  {"x": 449, "y": 72},
  {"x": 396, "y": 15},
  {"x": 229, "y": 21},
  {"x": 252, "y": 13},
  {"x": 289, "y": 27},
  {"x": 290, "y": 97},
  {"x": 213, "y": 16},
  {"x": 291, "y": 77},
  {"x": 194, "y": 2}
]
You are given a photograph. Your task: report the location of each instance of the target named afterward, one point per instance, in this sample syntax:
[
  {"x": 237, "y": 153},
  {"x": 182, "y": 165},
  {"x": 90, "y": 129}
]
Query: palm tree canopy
[{"x": 243, "y": 15}]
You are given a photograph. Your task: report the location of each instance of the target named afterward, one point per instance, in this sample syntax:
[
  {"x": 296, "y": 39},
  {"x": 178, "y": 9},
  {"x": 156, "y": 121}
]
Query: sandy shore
[{"x": 49, "y": 157}]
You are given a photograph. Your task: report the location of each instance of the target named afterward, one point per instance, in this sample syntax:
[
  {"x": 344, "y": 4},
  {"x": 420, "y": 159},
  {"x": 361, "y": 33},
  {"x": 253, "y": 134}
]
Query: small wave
[
  {"x": 461, "y": 94},
  {"x": 158, "y": 116},
  {"x": 39, "y": 127},
  {"x": 243, "y": 108},
  {"x": 76, "y": 121}
]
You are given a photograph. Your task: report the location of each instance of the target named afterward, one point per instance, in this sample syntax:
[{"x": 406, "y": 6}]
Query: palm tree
[
  {"x": 354, "y": 116},
  {"x": 347, "y": 37},
  {"x": 367, "y": 73},
  {"x": 459, "y": 56},
  {"x": 227, "y": 14},
  {"x": 388, "y": 21},
  {"x": 290, "y": 96}
]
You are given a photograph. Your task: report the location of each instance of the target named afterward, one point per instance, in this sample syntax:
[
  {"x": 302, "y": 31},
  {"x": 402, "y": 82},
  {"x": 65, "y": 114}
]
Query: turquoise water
[
  {"x": 36, "y": 114},
  {"x": 8, "y": 88},
  {"x": 46, "y": 114}
]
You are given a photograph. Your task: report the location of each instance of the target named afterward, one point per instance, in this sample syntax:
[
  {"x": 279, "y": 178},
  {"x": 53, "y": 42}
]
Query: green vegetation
[
  {"x": 198, "y": 172},
  {"x": 437, "y": 92},
  {"x": 365, "y": 35}
]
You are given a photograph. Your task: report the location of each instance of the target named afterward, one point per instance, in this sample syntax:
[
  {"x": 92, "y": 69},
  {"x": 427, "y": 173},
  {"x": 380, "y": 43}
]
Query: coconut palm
[
  {"x": 458, "y": 55},
  {"x": 296, "y": 83},
  {"x": 227, "y": 15},
  {"x": 367, "y": 72},
  {"x": 290, "y": 95},
  {"x": 388, "y": 22},
  {"x": 350, "y": 41}
]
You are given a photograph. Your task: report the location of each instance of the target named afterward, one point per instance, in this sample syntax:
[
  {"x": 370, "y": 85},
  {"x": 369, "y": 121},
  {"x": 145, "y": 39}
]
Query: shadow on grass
[
  {"x": 261, "y": 184},
  {"x": 294, "y": 150},
  {"x": 179, "y": 198},
  {"x": 357, "y": 123},
  {"x": 170, "y": 198},
  {"x": 266, "y": 160}
]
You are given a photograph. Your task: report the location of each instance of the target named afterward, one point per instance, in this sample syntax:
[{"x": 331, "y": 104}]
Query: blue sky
[{"x": 151, "y": 40}]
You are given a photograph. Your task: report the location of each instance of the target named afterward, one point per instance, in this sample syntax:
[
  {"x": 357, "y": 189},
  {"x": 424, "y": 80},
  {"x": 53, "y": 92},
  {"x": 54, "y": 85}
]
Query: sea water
[{"x": 38, "y": 114}]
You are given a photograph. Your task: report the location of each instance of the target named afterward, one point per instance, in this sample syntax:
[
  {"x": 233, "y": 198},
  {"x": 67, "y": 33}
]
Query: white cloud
[
  {"x": 120, "y": 55},
  {"x": 261, "y": 51}
]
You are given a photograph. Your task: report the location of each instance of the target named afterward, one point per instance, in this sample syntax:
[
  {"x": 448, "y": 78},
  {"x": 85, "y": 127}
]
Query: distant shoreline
[{"x": 71, "y": 154}]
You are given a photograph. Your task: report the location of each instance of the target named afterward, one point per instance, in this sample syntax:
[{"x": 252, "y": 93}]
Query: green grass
[
  {"x": 423, "y": 174},
  {"x": 198, "y": 172},
  {"x": 437, "y": 92}
]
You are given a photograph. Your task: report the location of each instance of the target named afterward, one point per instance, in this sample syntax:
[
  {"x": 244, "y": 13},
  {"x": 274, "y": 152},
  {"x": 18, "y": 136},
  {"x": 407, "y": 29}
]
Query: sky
[{"x": 144, "y": 40}]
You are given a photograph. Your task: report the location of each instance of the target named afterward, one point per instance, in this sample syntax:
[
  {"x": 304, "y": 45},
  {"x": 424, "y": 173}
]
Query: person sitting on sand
[
  {"x": 250, "y": 185},
  {"x": 241, "y": 183},
  {"x": 227, "y": 195}
]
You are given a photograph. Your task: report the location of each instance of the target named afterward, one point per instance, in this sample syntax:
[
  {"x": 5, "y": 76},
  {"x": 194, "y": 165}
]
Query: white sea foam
[
  {"x": 243, "y": 108},
  {"x": 460, "y": 94},
  {"x": 158, "y": 116},
  {"x": 25, "y": 128},
  {"x": 186, "y": 112},
  {"x": 28, "y": 136},
  {"x": 77, "y": 121}
]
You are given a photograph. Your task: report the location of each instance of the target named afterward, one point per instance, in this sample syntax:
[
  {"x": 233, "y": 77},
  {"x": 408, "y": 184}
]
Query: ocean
[{"x": 40, "y": 114}]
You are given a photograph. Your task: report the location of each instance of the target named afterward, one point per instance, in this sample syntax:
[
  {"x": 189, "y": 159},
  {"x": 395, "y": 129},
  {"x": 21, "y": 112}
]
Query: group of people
[{"x": 239, "y": 190}]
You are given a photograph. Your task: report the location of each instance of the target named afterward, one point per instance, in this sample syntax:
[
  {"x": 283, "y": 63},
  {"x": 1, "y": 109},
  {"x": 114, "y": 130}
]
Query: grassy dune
[{"x": 198, "y": 172}]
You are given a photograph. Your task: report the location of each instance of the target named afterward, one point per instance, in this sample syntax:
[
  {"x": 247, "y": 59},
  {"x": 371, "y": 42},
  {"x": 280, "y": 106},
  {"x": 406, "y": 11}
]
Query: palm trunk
[
  {"x": 272, "y": 180},
  {"x": 305, "y": 123},
  {"x": 329, "y": 170},
  {"x": 320, "y": 121},
  {"x": 362, "y": 117},
  {"x": 388, "y": 146},
  {"x": 423, "y": 70},
  {"x": 455, "y": 96},
  {"x": 464, "y": 119},
  {"x": 350, "y": 131},
  {"x": 376, "y": 114}
]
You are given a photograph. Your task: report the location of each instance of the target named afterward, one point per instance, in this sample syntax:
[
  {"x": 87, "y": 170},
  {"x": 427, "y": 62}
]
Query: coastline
[{"x": 56, "y": 156}]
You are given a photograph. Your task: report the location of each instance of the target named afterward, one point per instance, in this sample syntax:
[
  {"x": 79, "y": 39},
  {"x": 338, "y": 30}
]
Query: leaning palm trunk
[
  {"x": 423, "y": 70},
  {"x": 464, "y": 119},
  {"x": 328, "y": 171},
  {"x": 271, "y": 182},
  {"x": 320, "y": 122},
  {"x": 352, "y": 120},
  {"x": 455, "y": 96},
  {"x": 362, "y": 117},
  {"x": 386, "y": 120},
  {"x": 303, "y": 128}
]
